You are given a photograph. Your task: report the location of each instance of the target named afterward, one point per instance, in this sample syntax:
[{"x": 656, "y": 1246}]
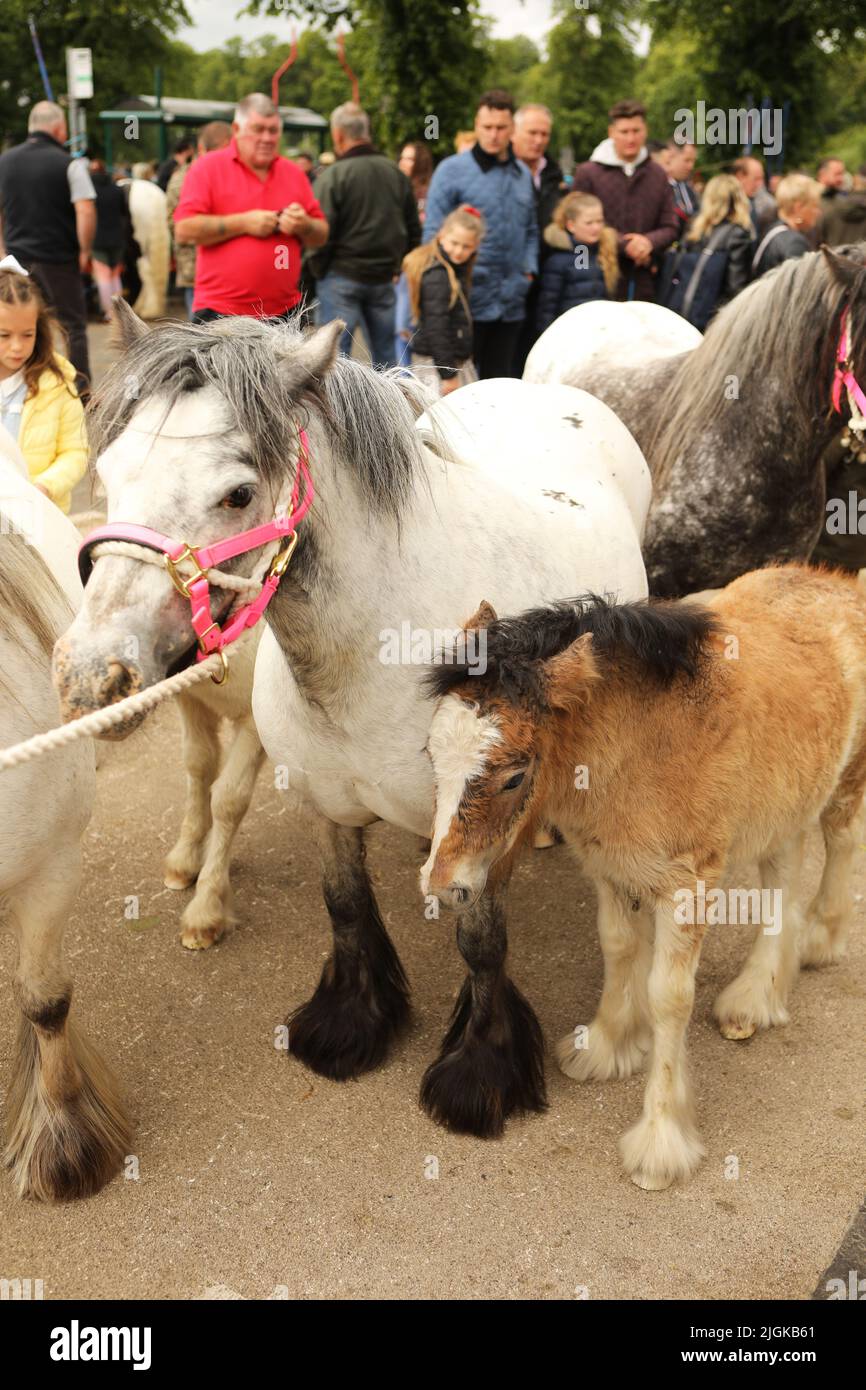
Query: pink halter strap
[
  {"x": 211, "y": 637},
  {"x": 844, "y": 374}
]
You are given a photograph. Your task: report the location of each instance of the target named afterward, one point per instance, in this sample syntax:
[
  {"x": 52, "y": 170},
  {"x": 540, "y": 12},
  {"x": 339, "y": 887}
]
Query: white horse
[
  {"x": 547, "y": 497},
  {"x": 147, "y": 211},
  {"x": 67, "y": 1131},
  {"x": 606, "y": 333}
]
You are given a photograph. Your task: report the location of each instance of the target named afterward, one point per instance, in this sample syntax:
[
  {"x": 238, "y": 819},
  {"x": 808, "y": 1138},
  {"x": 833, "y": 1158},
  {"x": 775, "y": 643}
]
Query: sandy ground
[{"x": 256, "y": 1179}]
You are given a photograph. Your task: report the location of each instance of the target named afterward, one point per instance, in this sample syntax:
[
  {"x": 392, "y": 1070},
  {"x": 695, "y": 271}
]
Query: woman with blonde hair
[
  {"x": 798, "y": 201},
  {"x": 725, "y": 222},
  {"x": 713, "y": 261},
  {"x": 582, "y": 264}
]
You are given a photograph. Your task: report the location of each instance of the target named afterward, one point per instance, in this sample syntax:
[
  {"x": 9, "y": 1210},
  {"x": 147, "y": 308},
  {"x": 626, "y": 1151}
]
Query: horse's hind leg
[
  {"x": 201, "y": 756},
  {"x": 491, "y": 1064},
  {"x": 361, "y": 1002},
  {"x": 829, "y": 915},
  {"x": 758, "y": 997},
  {"x": 68, "y": 1131},
  {"x": 210, "y": 912},
  {"x": 619, "y": 1038}
]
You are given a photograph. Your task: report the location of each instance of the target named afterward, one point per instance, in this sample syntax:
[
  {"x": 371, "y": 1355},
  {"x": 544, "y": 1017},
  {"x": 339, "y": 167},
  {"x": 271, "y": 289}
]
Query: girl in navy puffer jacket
[{"x": 581, "y": 264}]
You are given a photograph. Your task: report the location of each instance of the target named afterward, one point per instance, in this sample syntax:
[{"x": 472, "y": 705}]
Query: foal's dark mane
[
  {"x": 665, "y": 637},
  {"x": 254, "y": 366}
]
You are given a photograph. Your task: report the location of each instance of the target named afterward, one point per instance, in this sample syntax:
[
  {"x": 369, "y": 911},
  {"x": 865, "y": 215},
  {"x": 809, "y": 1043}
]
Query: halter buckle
[
  {"x": 181, "y": 582},
  {"x": 280, "y": 561}
]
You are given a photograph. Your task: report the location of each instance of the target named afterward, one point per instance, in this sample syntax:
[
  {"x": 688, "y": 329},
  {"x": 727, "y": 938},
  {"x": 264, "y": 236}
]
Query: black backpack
[{"x": 691, "y": 280}]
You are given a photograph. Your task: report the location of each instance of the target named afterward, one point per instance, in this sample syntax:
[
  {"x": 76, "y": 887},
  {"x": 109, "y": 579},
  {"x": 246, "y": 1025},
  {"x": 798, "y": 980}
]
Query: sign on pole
[{"x": 79, "y": 74}]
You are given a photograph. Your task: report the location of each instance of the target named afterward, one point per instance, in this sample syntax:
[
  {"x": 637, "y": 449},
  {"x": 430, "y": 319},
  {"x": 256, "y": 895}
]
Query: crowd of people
[{"x": 455, "y": 269}]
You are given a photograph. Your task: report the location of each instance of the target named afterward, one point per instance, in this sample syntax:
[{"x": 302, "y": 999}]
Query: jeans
[
  {"x": 495, "y": 341},
  {"x": 403, "y": 323},
  {"x": 63, "y": 291},
  {"x": 371, "y": 306}
]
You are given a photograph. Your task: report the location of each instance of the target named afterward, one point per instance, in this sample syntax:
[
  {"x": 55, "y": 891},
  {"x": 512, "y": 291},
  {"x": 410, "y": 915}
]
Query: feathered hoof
[
  {"x": 67, "y": 1151},
  {"x": 344, "y": 1031},
  {"x": 476, "y": 1084}
]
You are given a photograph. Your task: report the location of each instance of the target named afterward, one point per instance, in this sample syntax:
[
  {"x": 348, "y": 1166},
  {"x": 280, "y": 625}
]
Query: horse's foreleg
[
  {"x": 201, "y": 755},
  {"x": 210, "y": 912},
  {"x": 492, "y": 1060},
  {"x": 68, "y": 1131},
  {"x": 362, "y": 999}
]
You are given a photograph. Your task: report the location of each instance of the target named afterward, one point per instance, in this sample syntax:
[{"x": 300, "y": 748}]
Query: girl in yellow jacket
[{"x": 39, "y": 405}]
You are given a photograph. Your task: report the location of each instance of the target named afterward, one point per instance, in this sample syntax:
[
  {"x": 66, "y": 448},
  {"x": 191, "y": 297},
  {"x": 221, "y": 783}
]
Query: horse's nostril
[
  {"x": 460, "y": 895},
  {"x": 118, "y": 682}
]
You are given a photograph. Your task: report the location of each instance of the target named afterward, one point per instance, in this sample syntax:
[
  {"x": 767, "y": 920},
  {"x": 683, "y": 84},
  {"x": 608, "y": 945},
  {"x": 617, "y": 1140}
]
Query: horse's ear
[
  {"x": 307, "y": 364},
  {"x": 568, "y": 675},
  {"x": 485, "y": 615},
  {"x": 129, "y": 327},
  {"x": 843, "y": 270}
]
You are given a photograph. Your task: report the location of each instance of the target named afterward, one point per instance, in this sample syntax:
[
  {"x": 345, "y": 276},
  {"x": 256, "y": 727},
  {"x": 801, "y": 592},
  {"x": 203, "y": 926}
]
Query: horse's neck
[{"x": 349, "y": 565}]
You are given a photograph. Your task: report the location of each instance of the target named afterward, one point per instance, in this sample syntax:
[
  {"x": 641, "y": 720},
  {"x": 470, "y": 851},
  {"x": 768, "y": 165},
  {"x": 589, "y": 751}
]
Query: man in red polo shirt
[{"x": 249, "y": 211}]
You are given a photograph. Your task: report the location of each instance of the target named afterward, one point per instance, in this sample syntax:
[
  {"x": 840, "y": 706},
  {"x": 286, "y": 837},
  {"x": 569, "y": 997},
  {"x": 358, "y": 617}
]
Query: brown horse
[{"x": 674, "y": 745}]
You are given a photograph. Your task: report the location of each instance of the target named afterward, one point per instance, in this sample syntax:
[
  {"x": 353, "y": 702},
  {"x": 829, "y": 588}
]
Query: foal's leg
[
  {"x": 619, "y": 1037},
  {"x": 68, "y": 1131},
  {"x": 210, "y": 912},
  {"x": 758, "y": 997},
  {"x": 492, "y": 1058},
  {"x": 362, "y": 999},
  {"x": 664, "y": 1144},
  {"x": 829, "y": 917},
  {"x": 201, "y": 755}
]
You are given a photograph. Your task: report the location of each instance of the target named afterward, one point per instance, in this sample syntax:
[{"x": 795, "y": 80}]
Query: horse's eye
[
  {"x": 241, "y": 497},
  {"x": 514, "y": 782}
]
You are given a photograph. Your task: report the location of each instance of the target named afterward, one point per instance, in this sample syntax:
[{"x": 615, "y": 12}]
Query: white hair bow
[{"x": 10, "y": 263}]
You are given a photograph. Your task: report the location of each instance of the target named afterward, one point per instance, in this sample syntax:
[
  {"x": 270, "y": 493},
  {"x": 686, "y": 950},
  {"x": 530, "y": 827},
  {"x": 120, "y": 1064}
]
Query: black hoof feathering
[
  {"x": 360, "y": 1007},
  {"x": 478, "y": 1080}
]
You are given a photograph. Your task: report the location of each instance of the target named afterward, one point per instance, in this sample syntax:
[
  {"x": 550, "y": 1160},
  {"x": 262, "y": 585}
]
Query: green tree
[
  {"x": 590, "y": 65},
  {"x": 422, "y": 64},
  {"x": 513, "y": 64},
  {"x": 127, "y": 37},
  {"x": 756, "y": 50}
]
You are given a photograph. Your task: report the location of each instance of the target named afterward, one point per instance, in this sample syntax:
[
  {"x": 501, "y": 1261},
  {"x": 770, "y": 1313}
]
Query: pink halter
[
  {"x": 844, "y": 374},
  {"x": 211, "y": 637}
]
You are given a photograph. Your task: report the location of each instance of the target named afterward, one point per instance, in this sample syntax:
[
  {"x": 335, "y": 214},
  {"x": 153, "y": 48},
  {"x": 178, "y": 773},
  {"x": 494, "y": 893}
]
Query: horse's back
[
  {"x": 607, "y": 332},
  {"x": 549, "y": 443}
]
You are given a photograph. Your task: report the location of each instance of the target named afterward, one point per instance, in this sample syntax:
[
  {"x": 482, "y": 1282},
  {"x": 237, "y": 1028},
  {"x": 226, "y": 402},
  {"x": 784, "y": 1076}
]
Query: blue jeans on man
[{"x": 369, "y": 306}]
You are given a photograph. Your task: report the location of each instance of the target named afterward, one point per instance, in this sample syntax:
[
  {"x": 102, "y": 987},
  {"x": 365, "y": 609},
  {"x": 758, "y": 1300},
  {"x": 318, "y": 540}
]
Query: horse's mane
[
  {"x": 665, "y": 637},
  {"x": 248, "y": 361},
  {"x": 31, "y": 595},
  {"x": 783, "y": 331}
]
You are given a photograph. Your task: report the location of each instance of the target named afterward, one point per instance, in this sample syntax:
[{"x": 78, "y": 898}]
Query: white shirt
[{"x": 12, "y": 393}]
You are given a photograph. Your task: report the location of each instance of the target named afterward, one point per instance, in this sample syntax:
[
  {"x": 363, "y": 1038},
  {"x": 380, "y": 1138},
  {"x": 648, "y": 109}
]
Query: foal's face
[
  {"x": 185, "y": 473},
  {"x": 484, "y": 763}
]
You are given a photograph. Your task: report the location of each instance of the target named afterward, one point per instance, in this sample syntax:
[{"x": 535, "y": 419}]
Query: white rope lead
[{"x": 92, "y": 725}]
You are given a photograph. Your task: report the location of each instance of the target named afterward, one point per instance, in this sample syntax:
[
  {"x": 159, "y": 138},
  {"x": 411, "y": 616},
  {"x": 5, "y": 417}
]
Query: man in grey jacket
[{"x": 489, "y": 177}]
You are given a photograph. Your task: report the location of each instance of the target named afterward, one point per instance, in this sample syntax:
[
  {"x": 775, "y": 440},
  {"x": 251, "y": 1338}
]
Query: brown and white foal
[{"x": 674, "y": 745}]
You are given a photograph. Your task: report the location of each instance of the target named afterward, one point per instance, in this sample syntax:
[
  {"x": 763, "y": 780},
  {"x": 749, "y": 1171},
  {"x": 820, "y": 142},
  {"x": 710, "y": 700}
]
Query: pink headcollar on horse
[
  {"x": 844, "y": 376},
  {"x": 211, "y": 637}
]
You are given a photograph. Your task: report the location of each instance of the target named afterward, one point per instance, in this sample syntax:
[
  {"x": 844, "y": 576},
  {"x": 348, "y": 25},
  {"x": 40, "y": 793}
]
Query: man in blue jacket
[{"x": 490, "y": 178}]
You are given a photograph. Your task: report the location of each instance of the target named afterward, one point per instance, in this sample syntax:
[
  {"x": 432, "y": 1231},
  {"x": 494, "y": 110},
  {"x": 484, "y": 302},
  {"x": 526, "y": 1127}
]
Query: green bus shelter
[{"x": 174, "y": 117}]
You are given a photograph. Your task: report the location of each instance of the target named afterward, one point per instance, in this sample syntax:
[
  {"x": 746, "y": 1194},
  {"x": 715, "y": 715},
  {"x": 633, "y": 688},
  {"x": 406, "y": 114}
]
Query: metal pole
[{"x": 43, "y": 71}]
